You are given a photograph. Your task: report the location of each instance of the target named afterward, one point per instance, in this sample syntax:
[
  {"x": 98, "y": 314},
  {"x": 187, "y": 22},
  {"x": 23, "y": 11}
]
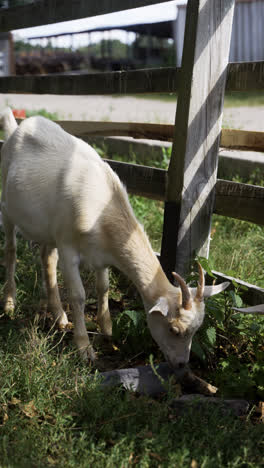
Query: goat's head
[{"x": 176, "y": 317}]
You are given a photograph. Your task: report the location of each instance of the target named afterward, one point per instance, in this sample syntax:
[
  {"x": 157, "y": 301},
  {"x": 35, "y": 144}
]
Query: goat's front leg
[
  {"x": 69, "y": 262},
  {"x": 49, "y": 260},
  {"x": 10, "y": 264},
  {"x": 103, "y": 314}
]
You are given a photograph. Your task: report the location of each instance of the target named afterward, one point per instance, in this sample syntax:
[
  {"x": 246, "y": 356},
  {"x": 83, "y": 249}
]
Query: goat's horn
[
  {"x": 200, "y": 286},
  {"x": 186, "y": 296}
]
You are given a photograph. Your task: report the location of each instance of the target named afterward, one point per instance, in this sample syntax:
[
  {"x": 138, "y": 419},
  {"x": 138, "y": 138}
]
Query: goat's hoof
[
  {"x": 65, "y": 326},
  {"x": 88, "y": 355},
  {"x": 9, "y": 307}
]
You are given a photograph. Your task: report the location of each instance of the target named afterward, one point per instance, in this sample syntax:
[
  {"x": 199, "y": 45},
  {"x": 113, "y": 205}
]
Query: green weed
[
  {"x": 44, "y": 113},
  {"x": 53, "y": 412}
]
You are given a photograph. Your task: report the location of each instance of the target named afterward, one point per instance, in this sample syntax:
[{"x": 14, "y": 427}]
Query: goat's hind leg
[
  {"x": 49, "y": 260},
  {"x": 10, "y": 264},
  {"x": 103, "y": 314}
]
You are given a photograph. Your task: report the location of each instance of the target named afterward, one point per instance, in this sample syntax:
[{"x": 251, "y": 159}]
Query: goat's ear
[
  {"x": 213, "y": 290},
  {"x": 161, "y": 306}
]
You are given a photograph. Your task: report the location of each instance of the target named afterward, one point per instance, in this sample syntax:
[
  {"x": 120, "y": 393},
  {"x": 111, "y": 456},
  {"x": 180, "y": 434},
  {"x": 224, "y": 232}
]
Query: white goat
[{"x": 59, "y": 193}]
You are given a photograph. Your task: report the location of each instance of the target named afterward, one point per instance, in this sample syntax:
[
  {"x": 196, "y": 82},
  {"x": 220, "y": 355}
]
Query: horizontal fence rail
[
  {"x": 231, "y": 139},
  {"x": 153, "y": 80},
  {"x": 242, "y": 139},
  {"x": 232, "y": 199},
  {"x": 248, "y": 76},
  {"x": 240, "y": 77},
  {"x": 49, "y": 11}
]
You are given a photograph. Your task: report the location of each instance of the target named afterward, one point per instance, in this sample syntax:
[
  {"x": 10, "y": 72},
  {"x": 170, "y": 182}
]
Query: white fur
[{"x": 59, "y": 193}]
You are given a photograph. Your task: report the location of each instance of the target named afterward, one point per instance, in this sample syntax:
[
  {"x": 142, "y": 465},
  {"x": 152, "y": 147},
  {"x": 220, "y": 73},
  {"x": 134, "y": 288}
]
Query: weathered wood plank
[
  {"x": 232, "y": 199},
  {"x": 242, "y": 139},
  {"x": 241, "y": 77},
  {"x": 245, "y": 76},
  {"x": 241, "y": 201},
  {"x": 230, "y": 138},
  {"x": 47, "y": 11},
  {"x": 136, "y": 130},
  {"x": 141, "y": 180},
  {"x": 251, "y": 294},
  {"x": 193, "y": 166},
  {"x": 156, "y": 80}
]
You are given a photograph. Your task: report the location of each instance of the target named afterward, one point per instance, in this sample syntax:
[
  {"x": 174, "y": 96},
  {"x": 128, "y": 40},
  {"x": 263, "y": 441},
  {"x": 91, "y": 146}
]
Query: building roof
[{"x": 162, "y": 29}]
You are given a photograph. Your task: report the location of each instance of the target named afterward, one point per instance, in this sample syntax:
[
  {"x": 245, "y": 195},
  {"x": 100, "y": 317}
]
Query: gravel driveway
[{"x": 125, "y": 109}]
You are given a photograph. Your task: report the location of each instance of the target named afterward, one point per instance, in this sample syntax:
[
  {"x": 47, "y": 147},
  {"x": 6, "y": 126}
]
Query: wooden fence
[{"x": 189, "y": 187}]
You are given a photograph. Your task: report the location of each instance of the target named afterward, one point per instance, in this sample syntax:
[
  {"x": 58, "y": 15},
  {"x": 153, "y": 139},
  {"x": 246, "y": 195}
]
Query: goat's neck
[{"x": 138, "y": 261}]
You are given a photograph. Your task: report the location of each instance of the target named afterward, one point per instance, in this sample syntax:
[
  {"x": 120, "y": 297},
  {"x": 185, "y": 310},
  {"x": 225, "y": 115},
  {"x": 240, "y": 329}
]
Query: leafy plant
[
  {"x": 130, "y": 329},
  {"x": 44, "y": 113},
  {"x": 231, "y": 345}
]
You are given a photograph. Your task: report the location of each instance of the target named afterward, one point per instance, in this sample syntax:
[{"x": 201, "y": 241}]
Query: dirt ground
[{"x": 125, "y": 109}]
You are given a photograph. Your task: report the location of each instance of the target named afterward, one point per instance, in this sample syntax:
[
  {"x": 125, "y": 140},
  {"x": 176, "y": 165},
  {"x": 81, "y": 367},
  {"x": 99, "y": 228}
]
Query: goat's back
[{"x": 53, "y": 183}]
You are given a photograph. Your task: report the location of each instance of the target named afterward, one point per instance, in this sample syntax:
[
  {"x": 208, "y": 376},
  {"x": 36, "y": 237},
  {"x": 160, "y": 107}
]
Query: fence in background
[{"x": 189, "y": 187}]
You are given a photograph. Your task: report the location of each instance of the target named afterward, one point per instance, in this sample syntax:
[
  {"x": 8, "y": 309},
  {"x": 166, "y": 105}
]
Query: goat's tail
[{"x": 9, "y": 122}]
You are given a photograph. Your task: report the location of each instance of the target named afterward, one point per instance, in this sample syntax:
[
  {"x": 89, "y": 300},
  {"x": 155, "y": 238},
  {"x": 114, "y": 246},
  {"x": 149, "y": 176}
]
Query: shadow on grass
[{"x": 53, "y": 413}]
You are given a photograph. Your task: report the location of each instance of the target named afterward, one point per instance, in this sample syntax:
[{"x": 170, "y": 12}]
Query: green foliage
[
  {"x": 54, "y": 412},
  {"x": 130, "y": 330},
  {"x": 150, "y": 214},
  {"x": 44, "y": 113},
  {"x": 237, "y": 99},
  {"x": 231, "y": 345}
]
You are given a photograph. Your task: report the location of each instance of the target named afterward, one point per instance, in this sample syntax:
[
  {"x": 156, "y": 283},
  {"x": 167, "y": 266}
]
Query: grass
[
  {"x": 232, "y": 99},
  {"x": 53, "y": 411}
]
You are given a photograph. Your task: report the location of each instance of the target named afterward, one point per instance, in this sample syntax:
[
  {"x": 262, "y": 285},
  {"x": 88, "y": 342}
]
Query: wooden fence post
[{"x": 193, "y": 166}]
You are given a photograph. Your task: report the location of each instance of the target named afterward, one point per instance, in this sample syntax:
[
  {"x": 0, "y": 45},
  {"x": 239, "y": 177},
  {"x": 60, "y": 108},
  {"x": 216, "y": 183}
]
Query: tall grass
[
  {"x": 232, "y": 99},
  {"x": 53, "y": 413}
]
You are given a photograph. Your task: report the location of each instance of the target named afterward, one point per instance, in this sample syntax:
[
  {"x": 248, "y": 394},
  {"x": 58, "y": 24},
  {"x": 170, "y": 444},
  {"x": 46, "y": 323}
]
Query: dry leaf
[
  {"x": 29, "y": 409},
  {"x": 156, "y": 456},
  {"x": 260, "y": 409},
  {"x": 15, "y": 401},
  {"x": 194, "y": 464}
]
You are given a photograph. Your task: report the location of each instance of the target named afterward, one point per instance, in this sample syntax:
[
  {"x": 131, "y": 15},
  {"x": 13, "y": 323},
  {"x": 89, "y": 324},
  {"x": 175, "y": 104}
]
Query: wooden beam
[
  {"x": 230, "y": 138},
  {"x": 241, "y": 201},
  {"x": 242, "y": 139},
  {"x": 245, "y": 76},
  {"x": 193, "y": 166},
  {"x": 145, "y": 181},
  {"x": 156, "y": 80},
  {"x": 232, "y": 199},
  {"x": 251, "y": 294},
  {"x": 50, "y": 11},
  {"x": 136, "y": 130},
  {"x": 241, "y": 77}
]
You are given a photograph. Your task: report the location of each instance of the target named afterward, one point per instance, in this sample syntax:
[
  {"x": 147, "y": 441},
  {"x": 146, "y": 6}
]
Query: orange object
[{"x": 19, "y": 113}]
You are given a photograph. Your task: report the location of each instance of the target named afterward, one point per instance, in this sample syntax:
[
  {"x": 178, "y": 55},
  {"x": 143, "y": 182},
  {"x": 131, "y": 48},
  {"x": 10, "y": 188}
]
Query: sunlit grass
[{"x": 232, "y": 99}]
